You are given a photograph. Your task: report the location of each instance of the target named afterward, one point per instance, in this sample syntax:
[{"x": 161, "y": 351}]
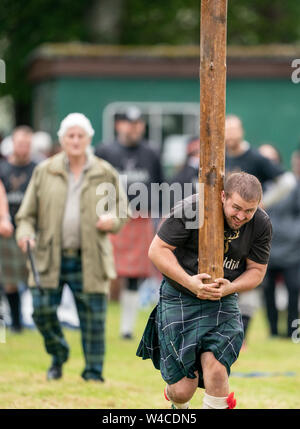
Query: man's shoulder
[
  {"x": 54, "y": 159},
  {"x": 103, "y": 164},
  {"x": 263, "y": 162},
  {"x": 250, "y": 154},
  {"x": 253, "y": 151},
  {"x": 146, "y": 147},
  {"x": 107, "y": 148},
  {"x": 31, "y": 166},
  {"x": 262, "y": 216}
]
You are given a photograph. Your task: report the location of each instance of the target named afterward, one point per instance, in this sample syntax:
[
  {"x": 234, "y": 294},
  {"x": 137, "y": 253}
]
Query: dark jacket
[{"x": 285, "y": 218}]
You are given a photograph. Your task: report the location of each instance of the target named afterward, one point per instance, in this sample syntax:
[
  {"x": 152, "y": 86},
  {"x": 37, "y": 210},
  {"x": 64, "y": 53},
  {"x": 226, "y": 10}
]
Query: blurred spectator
[
  {"x": 15, "y": 173},
  {"x": 240, "y": 156},
  {"x": 138, "y": 164},
  {"x": 269, "y": 151},
  {"x": 295, "y": 161},
  {"x": 190, "y": 171},
  {"x": 6, "y": 147},
  {"x": 6, "y": 230},
  {"x": 285, "y": 256},
  {"x": 1, "y": 140},
  {"x": 6, "y": 227},
  {"x": 41, "y": 146},
  {"x": 60, "y": 213}
]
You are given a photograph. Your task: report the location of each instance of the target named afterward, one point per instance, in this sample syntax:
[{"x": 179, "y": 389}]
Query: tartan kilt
[
  {"x": 131, "y": 247},
  {"x": 182, "y": 327},
  {"x": 12, "y": 261}
]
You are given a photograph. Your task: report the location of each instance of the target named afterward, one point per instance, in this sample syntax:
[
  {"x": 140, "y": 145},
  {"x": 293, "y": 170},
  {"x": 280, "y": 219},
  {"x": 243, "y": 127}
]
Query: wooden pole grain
[{"x": 213, "y": 34}]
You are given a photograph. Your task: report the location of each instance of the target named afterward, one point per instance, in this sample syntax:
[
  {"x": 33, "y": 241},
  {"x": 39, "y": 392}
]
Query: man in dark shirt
[
  {"x": 138, "y": 165},
  {"x": 240, "y": 156},
  {"x": 15, "y": 174},
  {"x": 195, "y": 332}
]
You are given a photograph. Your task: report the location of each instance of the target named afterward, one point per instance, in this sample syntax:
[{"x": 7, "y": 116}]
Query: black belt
[{"x": 71, "y": 253}]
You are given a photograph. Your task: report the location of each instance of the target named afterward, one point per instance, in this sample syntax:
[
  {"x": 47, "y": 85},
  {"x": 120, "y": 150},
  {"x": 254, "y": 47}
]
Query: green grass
[{"x": 134, "y": 383}]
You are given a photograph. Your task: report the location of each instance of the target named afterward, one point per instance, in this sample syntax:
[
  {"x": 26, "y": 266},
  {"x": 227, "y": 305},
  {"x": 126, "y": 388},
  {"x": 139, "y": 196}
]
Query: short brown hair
[
  {"x": 23, "y": 128},
  {"x": 246, "y": 185}
]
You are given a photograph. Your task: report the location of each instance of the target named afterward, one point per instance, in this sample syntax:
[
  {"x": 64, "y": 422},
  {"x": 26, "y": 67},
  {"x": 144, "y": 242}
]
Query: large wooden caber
[{"x": 213, "y": 33}]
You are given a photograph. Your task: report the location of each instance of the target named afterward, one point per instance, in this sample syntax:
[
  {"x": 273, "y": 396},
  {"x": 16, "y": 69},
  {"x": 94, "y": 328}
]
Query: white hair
[{"x": 73, "y": 120}]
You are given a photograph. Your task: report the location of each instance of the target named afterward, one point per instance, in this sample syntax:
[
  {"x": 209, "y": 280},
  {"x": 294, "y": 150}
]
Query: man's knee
[{"x": 183, "y": 390}]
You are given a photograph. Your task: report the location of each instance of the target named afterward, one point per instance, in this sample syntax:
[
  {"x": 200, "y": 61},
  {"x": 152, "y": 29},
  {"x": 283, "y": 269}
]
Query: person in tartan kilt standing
[
  {"x": 64, "y": 220},
  {"x": 15, "y": 173}
]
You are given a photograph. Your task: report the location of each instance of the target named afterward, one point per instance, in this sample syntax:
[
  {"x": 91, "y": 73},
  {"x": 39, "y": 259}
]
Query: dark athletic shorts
[{"x": 181, "y": 327}]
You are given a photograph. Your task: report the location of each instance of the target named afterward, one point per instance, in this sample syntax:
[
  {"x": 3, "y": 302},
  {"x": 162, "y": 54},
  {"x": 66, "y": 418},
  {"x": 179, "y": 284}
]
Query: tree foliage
[
  {"x": 250, "y": 22},
  {"x": 26, "y": 25},
  {"x": 263, "y": 21}
]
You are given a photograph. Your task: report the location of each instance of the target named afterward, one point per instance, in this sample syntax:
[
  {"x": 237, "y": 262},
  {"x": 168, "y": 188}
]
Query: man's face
[
  {"x": 137, "y": 130},
  {"x": 130, "y": 132},
  {"x": 75, "y": 141},
  {"x": 237, "y": 211},
  {"x": 234, "y": 133},
  {"x": 22, "y": 145}
]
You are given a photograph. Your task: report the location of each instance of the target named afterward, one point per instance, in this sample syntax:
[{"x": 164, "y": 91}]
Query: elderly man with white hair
[{"x": 66, "y": 217}]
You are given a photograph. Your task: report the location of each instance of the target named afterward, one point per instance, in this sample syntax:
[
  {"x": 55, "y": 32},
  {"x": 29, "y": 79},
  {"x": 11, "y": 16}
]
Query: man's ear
[{"x": 223, "y": 196}]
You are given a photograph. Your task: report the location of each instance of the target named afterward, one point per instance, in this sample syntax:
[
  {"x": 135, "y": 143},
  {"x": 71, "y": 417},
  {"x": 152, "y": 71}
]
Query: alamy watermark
[
  {"x": 296, "y": 332},
  {"x": 145, "y": 201},
  {"x": 2, "y": 71},
  {"x": 296, "y": 73}
]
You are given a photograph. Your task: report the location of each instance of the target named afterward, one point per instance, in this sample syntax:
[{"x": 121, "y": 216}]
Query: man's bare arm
[
  {"x": 162, "y": 256},
  {"x": 250, "y": 279}
]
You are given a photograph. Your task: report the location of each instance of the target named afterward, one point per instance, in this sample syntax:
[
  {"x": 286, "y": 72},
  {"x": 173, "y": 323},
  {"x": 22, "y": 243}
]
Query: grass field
[{"x": 134, "y": 384}]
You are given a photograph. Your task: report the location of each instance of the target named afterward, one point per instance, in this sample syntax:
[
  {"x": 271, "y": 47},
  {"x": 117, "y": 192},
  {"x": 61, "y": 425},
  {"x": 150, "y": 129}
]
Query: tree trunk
[{"x": 212, "y": 129}]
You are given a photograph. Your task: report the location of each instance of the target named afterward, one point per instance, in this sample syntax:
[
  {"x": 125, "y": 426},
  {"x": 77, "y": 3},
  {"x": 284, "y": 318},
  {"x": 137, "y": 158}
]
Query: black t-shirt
[
  {"x": 253, "y": 162},
  {"x": 139, "y": 163},
  {"x": 251, "y": 241},
  {"x": 15, "y": 179}
]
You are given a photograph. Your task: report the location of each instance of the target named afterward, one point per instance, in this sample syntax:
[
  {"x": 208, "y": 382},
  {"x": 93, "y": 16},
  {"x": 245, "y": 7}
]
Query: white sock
[
  {"x": 183, "y": 406},
  {"x": 214, "y": 402},
  {"x": 129, "y": 300}
]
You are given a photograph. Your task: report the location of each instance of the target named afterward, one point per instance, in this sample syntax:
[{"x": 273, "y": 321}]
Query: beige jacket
[{"x": 41, "y": 216}]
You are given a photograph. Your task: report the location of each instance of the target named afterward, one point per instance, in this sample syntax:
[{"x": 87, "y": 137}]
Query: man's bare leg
[
  {"x": 215, "y": 381},
  {"x": 181, "y": 392}
]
